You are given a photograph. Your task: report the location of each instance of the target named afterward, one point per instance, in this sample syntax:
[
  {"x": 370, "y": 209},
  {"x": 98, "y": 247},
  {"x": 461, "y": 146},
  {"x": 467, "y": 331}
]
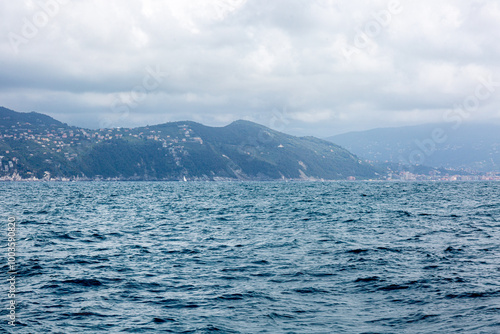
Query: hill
[
  {"x": 32, "y": 120},
  {"x": 470, "y": 146},
  {"x": 36, "y": 146}
]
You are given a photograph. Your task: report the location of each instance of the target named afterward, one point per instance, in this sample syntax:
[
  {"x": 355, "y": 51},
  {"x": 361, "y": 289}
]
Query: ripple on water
[{"x": 249, "y": 257}]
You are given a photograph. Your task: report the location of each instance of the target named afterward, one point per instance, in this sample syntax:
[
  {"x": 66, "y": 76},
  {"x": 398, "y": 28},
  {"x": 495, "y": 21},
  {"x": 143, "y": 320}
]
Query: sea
[{"x": 252, "y": 257}]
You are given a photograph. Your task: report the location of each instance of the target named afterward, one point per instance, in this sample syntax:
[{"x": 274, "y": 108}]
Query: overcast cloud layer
[{"x": 306, "y": 67}]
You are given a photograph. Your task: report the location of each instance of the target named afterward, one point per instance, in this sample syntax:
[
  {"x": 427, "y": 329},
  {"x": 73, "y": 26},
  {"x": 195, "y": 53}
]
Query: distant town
[
  {"x": 407, "y": 176},
  {"x": 66, "y": 141}
]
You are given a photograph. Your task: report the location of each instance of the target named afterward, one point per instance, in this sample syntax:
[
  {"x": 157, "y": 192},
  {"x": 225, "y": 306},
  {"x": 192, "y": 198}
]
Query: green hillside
[{"x": 34, "y": 145}]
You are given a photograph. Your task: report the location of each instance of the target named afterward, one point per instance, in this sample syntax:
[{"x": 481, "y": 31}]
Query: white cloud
[{"x": 237, "y": 59}]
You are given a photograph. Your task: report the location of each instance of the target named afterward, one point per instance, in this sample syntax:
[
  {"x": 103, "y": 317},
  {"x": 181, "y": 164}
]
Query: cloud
[{"x": 327, "y": 66}]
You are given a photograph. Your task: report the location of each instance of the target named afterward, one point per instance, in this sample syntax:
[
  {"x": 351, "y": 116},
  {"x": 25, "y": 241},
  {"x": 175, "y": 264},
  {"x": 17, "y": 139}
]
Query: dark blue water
[{"x": 255, "y": 257}]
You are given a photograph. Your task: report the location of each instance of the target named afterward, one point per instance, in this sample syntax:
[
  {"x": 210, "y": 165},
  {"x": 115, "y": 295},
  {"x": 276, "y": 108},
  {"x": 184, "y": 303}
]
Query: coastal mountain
[
  {"x": 36, "y": 146},
  {"x": 466, "y": 146}
]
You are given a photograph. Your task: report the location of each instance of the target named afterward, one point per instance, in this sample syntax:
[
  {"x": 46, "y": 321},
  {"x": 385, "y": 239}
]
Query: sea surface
[{"x": 254, "y": 257}]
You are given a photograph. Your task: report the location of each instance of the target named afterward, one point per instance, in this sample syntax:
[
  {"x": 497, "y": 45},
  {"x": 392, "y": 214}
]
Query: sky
[{"x": 304, "y": 67}]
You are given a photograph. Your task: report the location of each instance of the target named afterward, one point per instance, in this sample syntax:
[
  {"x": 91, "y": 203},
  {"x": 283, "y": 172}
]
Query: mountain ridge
[
  {"x": 7, "y": 115},
  {"x": 36, "y": 146},
  {"x": 467, "y": 146}
]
